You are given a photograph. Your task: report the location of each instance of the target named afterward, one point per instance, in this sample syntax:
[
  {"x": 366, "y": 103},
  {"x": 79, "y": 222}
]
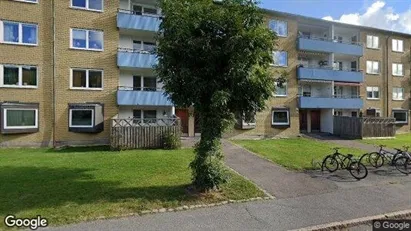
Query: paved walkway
[
  {"x": 276, "y": 180},
  {"x": 347, "y": 143}
]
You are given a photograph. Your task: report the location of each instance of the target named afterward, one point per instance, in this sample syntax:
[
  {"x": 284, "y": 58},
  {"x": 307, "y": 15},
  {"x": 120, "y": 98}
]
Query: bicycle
[
  {"x": 403, "y": 163},
  {"x": 377, "y": 159},
  {"x": 338, "y": 160}
]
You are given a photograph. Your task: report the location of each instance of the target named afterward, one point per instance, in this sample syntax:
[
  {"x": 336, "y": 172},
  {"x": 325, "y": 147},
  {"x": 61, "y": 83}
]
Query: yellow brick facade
[
  {"x": 66, "y": 58},
  {"x": 40, "y": 56}
]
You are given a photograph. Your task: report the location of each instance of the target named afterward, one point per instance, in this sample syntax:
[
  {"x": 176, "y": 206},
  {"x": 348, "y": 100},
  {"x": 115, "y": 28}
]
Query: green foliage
[
  {"x": 171, "y": 141},
  {"x": 215, "y": 57}
]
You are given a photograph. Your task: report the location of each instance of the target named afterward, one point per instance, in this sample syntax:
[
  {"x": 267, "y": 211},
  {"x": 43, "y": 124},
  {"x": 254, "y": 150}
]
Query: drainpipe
[
  {"x": 54, "y": 74},
  {"x": 387, "y": 74}
]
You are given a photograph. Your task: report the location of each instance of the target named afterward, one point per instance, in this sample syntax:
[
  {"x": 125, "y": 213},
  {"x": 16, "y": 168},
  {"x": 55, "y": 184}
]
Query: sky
[{"x": 384, "y": 14}]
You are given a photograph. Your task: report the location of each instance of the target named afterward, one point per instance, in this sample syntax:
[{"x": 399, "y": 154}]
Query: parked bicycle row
[{"x": 357, "y": 167}]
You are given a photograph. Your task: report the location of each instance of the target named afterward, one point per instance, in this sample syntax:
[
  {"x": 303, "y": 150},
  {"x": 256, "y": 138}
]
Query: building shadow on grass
[{"x": 30, "y": 188}]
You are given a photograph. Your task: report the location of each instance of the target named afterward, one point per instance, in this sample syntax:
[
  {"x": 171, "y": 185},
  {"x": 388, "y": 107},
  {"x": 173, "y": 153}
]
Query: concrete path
[
  {"x": 276, "y": 180},
  {"x": 346, "y": 143}
]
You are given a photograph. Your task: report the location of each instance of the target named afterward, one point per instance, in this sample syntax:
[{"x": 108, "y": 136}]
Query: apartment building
[
  {"x": 68, "y": 67},
  {"x": 333, "y": 69}
]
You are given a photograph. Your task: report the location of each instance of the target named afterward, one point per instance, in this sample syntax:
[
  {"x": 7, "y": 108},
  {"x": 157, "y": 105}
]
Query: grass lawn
[
  {"x": 293, "y": 153},
  {"x": 398, "y": 142},
  {"x": 79, "y": 184}
]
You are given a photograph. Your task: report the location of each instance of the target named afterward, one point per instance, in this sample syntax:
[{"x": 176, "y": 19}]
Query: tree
[{"x": 216, "y": 58}]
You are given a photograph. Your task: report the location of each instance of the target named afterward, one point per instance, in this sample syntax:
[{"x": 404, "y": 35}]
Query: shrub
[{"x": 171, "y": 141}]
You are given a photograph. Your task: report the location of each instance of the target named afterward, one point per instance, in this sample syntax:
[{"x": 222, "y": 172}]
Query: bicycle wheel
[
  {"x": 358, "y": 170},
  {"x": 375, "y": 159},
  {"x": 330, "y": 163},
  {"x": 403, "y": 164}
]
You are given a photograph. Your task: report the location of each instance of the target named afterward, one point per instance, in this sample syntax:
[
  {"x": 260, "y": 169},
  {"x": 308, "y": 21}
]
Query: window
[
  {"x": 81, "y": 117},
  {"x": 354, "y": 114},
  {"x": 19, "y": 33},
  {"x": 150, "y": 83},
  {"x": 280, "y": 58},
  {"x": 144, "y": 10},
  {"x": 373, "y": 93},
  {"x": 145, "y": 116},
  {"x": 20, "y": 118},
  {"x": 338, "y": 113},
  {"x": 373, "y": 112},
  {"x": 86, "y": 79},
  {"x": 279, "y": 27},
  {"x": 149, "y": 47},
  {"x": 280, "y": 117},
  {"x": 401, "y": 116},
  {"x": 96, "y": 5},
  {"x": 397, "y": 93},
  {"x": 373, "y": 67},
  {"x": 136, "y": 83},
  {"x": 280, "y": 89},
  {"x": 86, "y": 117},
  {"x": 397, "y": 45},
  {"x": 87, "y": 39},
  {"x": 397, "y": 69},
  {"x": 18, "y": 76},
  {"x": 372, "y": 42}
]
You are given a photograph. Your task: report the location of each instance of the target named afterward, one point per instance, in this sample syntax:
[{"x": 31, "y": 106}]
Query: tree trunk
[{"x": 208, "y": 170}]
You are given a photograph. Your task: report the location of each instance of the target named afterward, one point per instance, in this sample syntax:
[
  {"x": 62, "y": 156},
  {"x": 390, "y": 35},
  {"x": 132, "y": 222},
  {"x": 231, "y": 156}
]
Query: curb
[{"x": 354, "y": 222}]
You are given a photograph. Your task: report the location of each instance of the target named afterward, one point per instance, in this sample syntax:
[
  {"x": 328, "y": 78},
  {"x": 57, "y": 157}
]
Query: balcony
[
  {"x": 128, "y": 96},
  {"x": 329, "y": 103},
  {"x": 129, "y": 58},
  {"x": 329, "y": 74},
  {"x": 329, "y": 46},
  {"x": 129, "y": 21}
]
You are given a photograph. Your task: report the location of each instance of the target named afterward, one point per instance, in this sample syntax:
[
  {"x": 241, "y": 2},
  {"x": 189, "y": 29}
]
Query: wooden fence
[
  {"x": 361, "y": 127},
  {"x": 137, "y": 133}
]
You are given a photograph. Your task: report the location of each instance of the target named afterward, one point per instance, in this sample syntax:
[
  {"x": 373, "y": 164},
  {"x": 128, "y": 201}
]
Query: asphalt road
[{"x": 278, "y": 214}]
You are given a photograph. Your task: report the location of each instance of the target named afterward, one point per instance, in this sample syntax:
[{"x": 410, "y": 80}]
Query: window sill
[
  {"x": 272, "y": 65},
  {"x": 85, "y": 9},
  {"x": 20, "y": 44},
  {"x": 281, "y": 36},
  {"x": 373, "y": 73},
  {"x": 400, "y": 52},
  {"x": 27, "y": 1},
  {"x": 398, "y": 99},
  {"x": 19, "y": 87},
  {"x": 86, "y": 89},
  {"x": 280, "y": 96},
  {"x": 374, "y": 99},
  {"x": 373, "y": 48},
  {"x": 398, "y": 75},
  {"x": 86, "y": 49},
  {"x": 280, "y": 125},
  {"x": 401, "y": 123}
]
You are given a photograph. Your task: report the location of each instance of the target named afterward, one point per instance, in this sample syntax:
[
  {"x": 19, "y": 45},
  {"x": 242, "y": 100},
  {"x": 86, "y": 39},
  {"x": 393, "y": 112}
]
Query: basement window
[
  {"x": 401, "y": 116},
  {"x": 280, "y": 117},
  {"x": 19, "y": 118},
  {"x": 86, "y": 118}
]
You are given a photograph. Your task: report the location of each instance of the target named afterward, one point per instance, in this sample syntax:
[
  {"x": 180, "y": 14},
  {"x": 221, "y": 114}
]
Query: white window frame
[
  {"x": 395, "y": 88},
  {"x": 20, "y": 33},
  {"x": 372, "y": 67},
  {"x": 396, "y": 45},
  {"x": 373, "y": 38},
  {"x": 286, "y": 90},
  {"x": 87, "y": 40},
  {"x": 286, "y": 59},
  {"x": 400, "y": 111},
  {"x": 276, "y": 32},
  {"x": 87, "y": 6},
  {"x": 36, "y": 125},
  {"x": 395, "y": 67},
  {"x": 80, "y": 126},
  {"x": 20, "y": 85},
  {"x": 27, "y": 1},
  {"x": 373, "y": 90},
  {"x": 142, "y": 8},
  {"x": 87, "y": 79},
  {"x": 278, "y": 123}
]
